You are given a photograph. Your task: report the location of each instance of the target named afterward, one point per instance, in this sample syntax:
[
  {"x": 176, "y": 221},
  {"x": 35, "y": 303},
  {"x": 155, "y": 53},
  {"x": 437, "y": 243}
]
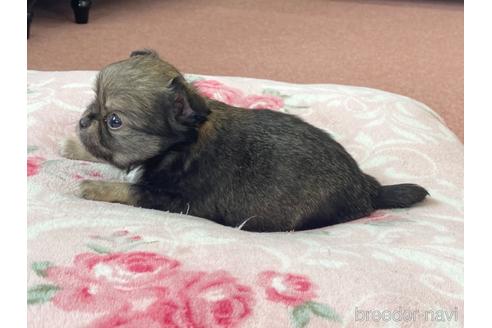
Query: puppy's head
[{"x": 142, "y": 107}]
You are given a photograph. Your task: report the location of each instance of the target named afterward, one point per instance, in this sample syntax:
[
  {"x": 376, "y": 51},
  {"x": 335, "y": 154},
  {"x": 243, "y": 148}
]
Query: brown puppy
[{"x": 263, "y": 170}]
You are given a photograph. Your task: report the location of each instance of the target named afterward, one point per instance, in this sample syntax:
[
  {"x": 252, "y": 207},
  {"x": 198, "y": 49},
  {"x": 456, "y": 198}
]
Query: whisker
[{"x": 244, "y": 222}]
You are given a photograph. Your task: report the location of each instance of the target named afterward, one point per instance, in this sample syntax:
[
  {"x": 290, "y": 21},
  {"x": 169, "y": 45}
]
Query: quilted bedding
[{"x": 93, "y": 264}]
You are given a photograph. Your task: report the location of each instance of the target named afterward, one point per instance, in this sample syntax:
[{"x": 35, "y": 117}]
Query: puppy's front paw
[
  {"x": 93, "y": 190},
  {"x": 108, "y": 191},
  {"x": 72, "y": 148}
]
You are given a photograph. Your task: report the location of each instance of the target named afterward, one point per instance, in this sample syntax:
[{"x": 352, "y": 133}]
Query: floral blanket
[{"x": 93, "y": 264}]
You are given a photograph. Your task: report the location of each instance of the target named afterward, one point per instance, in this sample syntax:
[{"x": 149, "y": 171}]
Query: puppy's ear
[
  {"x": 144, "y": 52},
  {"x": 190, "y": 108}
]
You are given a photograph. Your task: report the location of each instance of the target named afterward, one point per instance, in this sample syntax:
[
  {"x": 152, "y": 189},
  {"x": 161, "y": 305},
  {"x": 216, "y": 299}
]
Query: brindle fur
[{"x": 268, "y": 170}]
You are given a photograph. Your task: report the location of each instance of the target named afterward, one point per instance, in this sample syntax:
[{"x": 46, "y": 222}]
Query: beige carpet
[{"x": 414, "y": 48}]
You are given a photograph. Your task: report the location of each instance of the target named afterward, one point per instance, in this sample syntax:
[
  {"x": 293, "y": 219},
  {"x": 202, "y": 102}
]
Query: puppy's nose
[{"x": 85, "y": 122}]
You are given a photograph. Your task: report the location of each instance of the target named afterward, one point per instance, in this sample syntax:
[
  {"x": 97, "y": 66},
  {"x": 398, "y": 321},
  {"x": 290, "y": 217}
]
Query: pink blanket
[{"x": 94, "y": 264}]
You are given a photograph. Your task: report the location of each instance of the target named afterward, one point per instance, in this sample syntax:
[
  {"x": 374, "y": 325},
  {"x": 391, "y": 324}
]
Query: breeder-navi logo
[{"x": 406, "y": 315}]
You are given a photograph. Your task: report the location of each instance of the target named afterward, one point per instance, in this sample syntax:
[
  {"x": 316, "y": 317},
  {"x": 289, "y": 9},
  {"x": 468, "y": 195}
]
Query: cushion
[{"x": 95, "y": 264}]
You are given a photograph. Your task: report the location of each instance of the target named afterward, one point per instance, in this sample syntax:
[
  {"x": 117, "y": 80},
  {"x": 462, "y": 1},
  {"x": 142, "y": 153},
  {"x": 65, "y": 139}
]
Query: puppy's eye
[{"x": 113, "y": 121}]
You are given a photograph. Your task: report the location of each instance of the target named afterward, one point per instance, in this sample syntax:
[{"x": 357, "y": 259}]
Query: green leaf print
[
  {"x": 31, "y": 149},
  {"x": 301, "y": 316},
  {"x": 99, "y": 249},
  {"x": 41, "y": 267},
  {"x": 41, "y": 293},
  {"x": 324, "y": 311}
]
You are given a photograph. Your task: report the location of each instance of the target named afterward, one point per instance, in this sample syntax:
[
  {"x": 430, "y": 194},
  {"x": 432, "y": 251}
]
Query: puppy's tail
[{"x": 399, "y": 196}]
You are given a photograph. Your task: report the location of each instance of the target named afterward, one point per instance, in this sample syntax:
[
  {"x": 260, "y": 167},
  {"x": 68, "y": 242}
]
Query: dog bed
[{"x": 94, "y": 264}]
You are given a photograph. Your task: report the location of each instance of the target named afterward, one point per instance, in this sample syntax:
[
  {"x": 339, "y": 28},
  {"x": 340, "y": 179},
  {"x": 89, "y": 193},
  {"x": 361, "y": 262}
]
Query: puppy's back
[{"x": 280, "y": 169}]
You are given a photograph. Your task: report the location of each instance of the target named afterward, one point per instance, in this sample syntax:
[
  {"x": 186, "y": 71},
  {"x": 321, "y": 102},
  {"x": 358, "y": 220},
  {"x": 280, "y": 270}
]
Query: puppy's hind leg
[{"x": 72, "y": 148}]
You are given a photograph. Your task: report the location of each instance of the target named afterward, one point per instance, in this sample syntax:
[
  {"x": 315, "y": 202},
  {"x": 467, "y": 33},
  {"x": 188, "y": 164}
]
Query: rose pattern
[
  {"x": 141, "y": 289},
  {"x": 262, "y": 102},
  {"x": 123, "y": 270},
  {"x": 145, "y": 289},
  {"x": 235, "y": 97},
  {"x": 197, "y": 299},
  {"x": 34, "y": 165},
  {"x": 218, "y": 91},
  {"x": 161, "y": 313},
  {"x": 124, "y": 320},
  {"x": 297, "y": 292},
  {"x": 96, "y": 281},
  {"x": 290, "y": 289},
  {"x": 215, "y": 300}
]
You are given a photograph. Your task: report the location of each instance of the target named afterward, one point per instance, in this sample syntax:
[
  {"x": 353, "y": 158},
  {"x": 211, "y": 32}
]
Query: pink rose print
[
  {"x": 235, "y": 97},
  {"x": 263, "y": 102},
  {"x": 141, "y": 289},
  {"x": 162, "y": 313},
  {"x": 215, "y": 300},
  {"x": 101, "y": 282},
  {"x": 123, "y": 319},
  {"x": 95, "y": 174},
  {"x": 218, "y": 91},
  {"x": 33, "y": 165},
  {"x": 196, "y": 299},
  {"x": 290, "y": 289},
  {"x": 295, "y": 291},
  {"x": 91, "y": 174}
]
